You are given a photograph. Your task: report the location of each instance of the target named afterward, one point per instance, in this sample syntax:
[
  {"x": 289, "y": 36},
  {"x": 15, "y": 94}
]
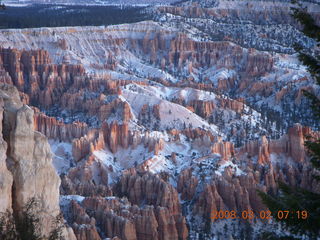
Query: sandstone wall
[{"x": 27, "y": 155}]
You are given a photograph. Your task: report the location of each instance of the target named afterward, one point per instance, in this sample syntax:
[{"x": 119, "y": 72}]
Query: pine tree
[
  {"x": 26, "y": 225},
  {"x": 297, "y": 199}
]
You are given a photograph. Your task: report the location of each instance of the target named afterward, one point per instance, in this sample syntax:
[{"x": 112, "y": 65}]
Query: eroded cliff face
[
  {"x": 248, "y": 23},
  {"x": 152, "y": 121},
  {"x": 26, "y": 163},
  {"x": 162, "y": 55},
  {"x": 231, "y": 183},
  {"x": 55, "y": 129},
  {"x": 81, "y": 101},
  {"x": 5, "y": 176},
  {"x": 45, "y": 81},
  {"x": 148, "y": 209}
]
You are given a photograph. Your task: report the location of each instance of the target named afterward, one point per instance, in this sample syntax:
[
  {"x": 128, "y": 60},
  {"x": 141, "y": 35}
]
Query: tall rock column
[
  {"x": 5, "y": 175},
  {"x": 29, "y": 160}
]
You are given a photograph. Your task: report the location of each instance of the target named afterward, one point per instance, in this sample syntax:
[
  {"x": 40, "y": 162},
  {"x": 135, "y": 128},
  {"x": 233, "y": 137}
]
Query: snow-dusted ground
[
  {"x": 62, "y": 156},
  {"x": 172, "y": 115}
]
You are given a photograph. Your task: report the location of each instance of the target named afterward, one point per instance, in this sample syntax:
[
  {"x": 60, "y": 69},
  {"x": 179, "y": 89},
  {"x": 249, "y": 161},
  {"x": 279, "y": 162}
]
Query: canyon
[{"x": 140, "y": 131}]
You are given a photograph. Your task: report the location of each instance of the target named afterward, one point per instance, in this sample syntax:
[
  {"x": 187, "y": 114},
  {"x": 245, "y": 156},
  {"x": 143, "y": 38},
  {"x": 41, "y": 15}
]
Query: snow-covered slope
[{"x": 192, "y": 101}]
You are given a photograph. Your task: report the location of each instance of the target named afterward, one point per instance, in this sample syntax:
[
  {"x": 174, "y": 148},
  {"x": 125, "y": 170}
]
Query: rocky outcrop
[
  {"x": 34, "y": 73},
  {"x": 54, "y": 129},
  {"x": 90, "y": 178},
  {"x": 141, "y": 187},
  {"x": 234, "y": 105},
  {"x": 83, "y": 226},
  {"x": 245, "y": 13},
  {"x": 225, "y": 149},
  {"x": 28, "y": 158},
  {"x": 149, "y": 189},
  {"x": 202, "y": 108},
  {"x": 119, "y": 136},
  {"x": 30, "y": 163},
  {"x": 291, "y": 144},
  {"x": 86, "y": 145},
  {"x": 195, "y": 133},
  {"x": 182, "y": 48},
  {"x": 4, "y": 75},
  {"x": 116, "y": 135},
  {"x": 153, "y": 212},
  {"x": 5, "y": 175},
  {"x": 187, "y": 184},
  {"x": 230, "y": 188},
  {"x": 229, "y": 193}
]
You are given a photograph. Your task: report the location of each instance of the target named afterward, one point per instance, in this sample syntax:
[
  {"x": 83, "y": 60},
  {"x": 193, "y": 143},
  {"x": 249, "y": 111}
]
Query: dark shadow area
[{"x": 59, "y": 15}]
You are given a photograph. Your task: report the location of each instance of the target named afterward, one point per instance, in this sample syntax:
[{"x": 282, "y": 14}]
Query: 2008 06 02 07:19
[{"x": 263, "y": 214}]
